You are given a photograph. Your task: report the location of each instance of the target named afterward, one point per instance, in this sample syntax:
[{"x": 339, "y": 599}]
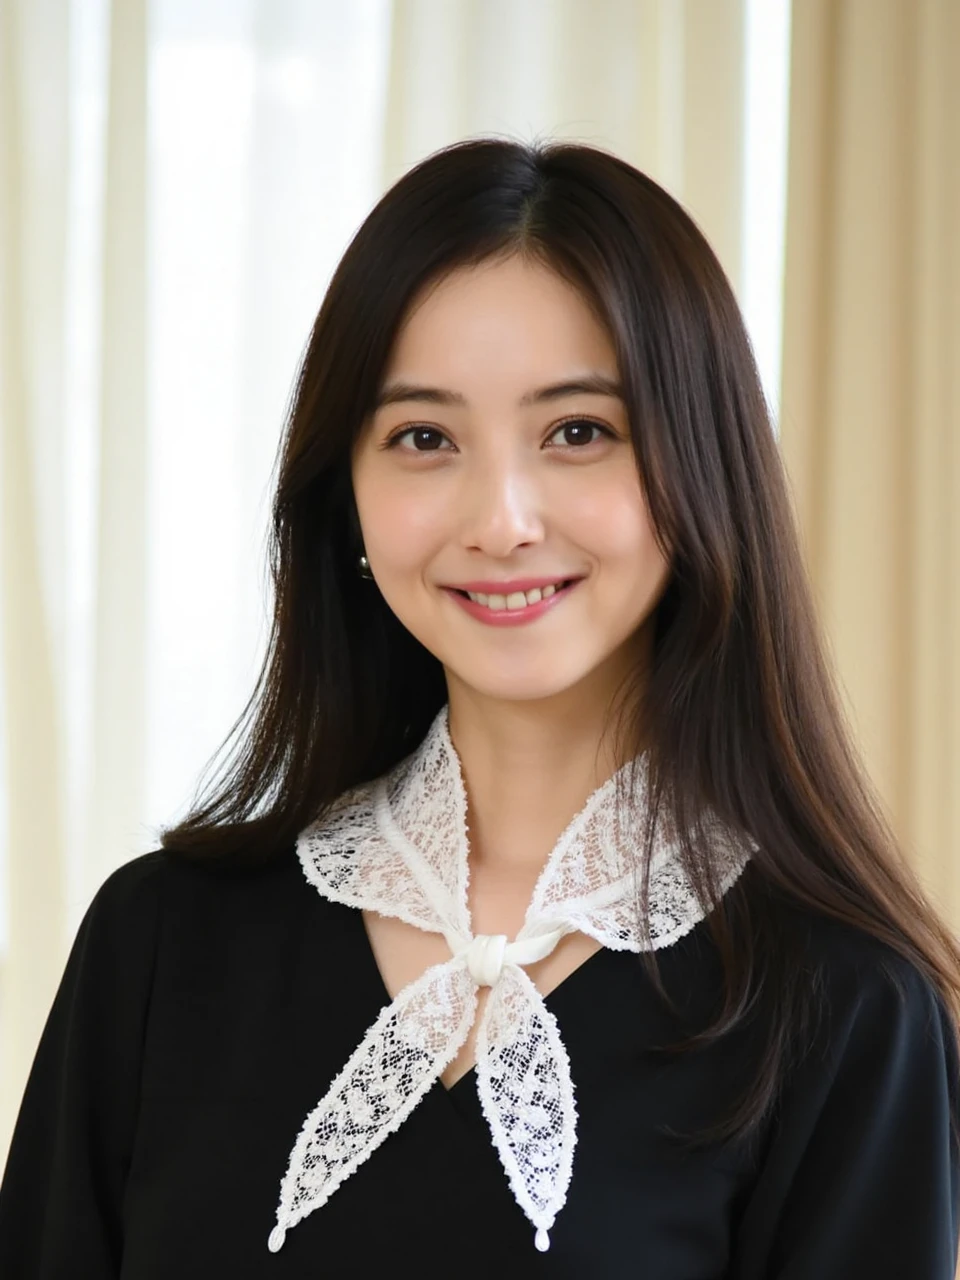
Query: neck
[{"x": 528, "y": 768}]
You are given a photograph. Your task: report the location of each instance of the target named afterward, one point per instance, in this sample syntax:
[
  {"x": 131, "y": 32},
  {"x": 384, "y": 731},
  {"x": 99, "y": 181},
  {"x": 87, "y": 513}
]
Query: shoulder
[
  {"x": 876, "y": 1009},
  {"x": 854, "y": 964},
  {"x": 133, "y": 887},
  {"x": 859, "y": 1170},
  {"x": 162, "y": 871},
  {"x": 841, "y": 965},
  {"x": 139, "y": 894}
]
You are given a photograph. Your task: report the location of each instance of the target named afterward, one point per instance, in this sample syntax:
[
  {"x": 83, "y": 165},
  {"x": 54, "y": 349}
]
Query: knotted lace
[{"x": 398, "y": 846}]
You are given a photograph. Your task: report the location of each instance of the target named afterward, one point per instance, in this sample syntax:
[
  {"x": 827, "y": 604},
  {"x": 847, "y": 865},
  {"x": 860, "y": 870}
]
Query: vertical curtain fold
[
  {"x": 118, "y": 722},
  {"x": 33, "y": 168},
  {"x": 38, "y": 632},
  {"x": 871, "y": 397}
]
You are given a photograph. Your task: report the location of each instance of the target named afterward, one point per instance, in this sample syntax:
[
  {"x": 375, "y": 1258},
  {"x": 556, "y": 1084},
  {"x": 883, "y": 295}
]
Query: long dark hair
[{"x": 737, "y": 705}]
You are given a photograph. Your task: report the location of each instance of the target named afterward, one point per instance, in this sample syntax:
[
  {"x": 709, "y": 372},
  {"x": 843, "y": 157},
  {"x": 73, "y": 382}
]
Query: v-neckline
[{"x": 386, "y": 998}]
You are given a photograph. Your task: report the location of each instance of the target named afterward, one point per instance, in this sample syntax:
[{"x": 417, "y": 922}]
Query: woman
[{"x": 546, "y": 921}]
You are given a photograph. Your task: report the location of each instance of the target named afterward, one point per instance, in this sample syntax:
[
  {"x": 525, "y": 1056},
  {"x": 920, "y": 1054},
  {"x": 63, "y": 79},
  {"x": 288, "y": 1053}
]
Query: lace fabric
[{"x": 399, "y": 846}]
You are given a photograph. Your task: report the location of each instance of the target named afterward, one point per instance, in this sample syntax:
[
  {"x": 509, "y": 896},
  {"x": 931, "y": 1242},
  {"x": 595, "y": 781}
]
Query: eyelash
[{"x": 391, "y": 441}]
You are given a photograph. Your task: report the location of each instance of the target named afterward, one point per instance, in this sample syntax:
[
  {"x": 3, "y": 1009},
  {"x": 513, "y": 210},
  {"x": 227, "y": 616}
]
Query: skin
[{"x": 495, "y": 489}]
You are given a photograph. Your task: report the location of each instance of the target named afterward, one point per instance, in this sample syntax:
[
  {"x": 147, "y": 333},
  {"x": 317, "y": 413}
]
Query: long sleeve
[
  {"x": 862, "y": 1175},
  {"x": 62, "y": 1190}
]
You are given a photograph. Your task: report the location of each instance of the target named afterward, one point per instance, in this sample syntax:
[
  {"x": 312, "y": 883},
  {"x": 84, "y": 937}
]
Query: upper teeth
[{"x": 515, "y": 600}]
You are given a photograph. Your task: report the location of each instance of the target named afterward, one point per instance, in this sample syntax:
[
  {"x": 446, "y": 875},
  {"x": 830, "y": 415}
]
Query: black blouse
[{"x": 202, "y": 1015}]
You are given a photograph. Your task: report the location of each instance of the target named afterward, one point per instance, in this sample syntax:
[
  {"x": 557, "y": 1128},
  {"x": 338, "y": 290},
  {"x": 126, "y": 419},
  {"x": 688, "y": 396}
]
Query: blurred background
[{"x": 178, "y": 179}]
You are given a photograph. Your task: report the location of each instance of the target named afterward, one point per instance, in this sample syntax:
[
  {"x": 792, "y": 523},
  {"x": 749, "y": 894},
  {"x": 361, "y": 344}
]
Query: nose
[{"x": 501, "y": 508}]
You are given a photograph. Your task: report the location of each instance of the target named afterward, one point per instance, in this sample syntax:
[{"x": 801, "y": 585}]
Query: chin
[{"x": 520, "y": 686}]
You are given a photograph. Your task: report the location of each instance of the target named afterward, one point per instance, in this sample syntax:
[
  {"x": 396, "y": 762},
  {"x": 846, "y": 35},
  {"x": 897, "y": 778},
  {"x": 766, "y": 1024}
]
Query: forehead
[{"x": 513, "y": 318}]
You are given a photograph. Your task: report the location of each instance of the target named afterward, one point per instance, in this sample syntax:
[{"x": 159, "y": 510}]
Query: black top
[{"x": 201, "y": 1017}]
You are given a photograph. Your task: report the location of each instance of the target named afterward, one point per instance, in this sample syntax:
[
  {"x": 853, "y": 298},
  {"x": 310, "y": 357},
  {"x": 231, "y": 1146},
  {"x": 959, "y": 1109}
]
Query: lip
[
  {"x": 491, "y": 587},
  {"x": 511, "y": 617}
]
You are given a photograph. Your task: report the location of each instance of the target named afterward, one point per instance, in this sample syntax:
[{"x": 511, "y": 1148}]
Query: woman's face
[{"x": 486, "y": 464}]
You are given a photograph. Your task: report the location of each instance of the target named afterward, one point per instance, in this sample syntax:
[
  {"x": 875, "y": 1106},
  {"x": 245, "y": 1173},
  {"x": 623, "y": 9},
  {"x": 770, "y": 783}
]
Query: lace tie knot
[
  {"x": 487, "y": 953},
  {"x": 485, "y": 956}
]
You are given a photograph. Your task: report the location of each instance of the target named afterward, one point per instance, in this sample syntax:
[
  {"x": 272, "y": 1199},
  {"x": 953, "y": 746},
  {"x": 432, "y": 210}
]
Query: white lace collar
[{"x": 398, "y": 846}]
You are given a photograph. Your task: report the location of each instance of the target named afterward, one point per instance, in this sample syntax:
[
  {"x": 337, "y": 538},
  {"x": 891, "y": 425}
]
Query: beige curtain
[
  {"x": 35, "y": 157},
  {"x": 871, "y": 388},
  {"x": 661, "y": 82},
  {"x": 98, "y": 686}
]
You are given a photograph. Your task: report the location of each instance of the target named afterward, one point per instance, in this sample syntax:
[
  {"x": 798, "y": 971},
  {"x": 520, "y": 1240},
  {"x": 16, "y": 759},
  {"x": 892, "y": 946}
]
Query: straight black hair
[{"x": 738, "y": 708}]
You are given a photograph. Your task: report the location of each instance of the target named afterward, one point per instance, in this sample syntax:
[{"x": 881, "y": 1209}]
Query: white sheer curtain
[{"x": 177, "y": 181}]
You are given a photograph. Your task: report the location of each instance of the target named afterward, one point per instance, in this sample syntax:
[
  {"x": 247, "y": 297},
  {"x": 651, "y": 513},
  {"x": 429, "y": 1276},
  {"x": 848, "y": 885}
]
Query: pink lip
[
  {"x": 510, "y": 617},
  {"x": 491, "y": 587}
]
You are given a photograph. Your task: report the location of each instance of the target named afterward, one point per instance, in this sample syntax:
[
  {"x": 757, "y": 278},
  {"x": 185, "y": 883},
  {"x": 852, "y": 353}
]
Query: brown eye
[
  {"x": 426, "y": 436},
  {"x": 577, "y": 431}
]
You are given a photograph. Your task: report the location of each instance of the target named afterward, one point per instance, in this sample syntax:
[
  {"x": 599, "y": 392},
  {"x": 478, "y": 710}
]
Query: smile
[
  {"x": 515, "y": 609},
  {"x": 517, "y": 599}
]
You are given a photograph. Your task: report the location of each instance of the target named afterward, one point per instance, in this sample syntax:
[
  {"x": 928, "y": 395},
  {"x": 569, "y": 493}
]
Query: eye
[
  {"x": 579, "y": 429},
  {"x": 421, "y": 434}
]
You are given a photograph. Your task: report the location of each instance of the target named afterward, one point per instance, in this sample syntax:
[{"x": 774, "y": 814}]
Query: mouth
[
  {"x": 517, "y": 609},
  {"x": 517, "y": 600}
]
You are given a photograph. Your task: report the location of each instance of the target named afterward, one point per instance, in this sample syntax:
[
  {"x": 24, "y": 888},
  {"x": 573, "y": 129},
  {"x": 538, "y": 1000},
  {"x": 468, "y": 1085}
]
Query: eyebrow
[{"x": 594, "y": 384}]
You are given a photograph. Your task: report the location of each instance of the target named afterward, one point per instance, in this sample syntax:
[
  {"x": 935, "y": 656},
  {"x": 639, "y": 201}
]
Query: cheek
[
  {"x": 398, "y": 527},
  {"x": 613, "y": 523},
  {"x": 618, "y": 532},
  {"x": 406, "y": 538}
]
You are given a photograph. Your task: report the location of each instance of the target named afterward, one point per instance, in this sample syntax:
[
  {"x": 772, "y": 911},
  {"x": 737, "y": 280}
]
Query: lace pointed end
[{"x": 277, "y": 1237}]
